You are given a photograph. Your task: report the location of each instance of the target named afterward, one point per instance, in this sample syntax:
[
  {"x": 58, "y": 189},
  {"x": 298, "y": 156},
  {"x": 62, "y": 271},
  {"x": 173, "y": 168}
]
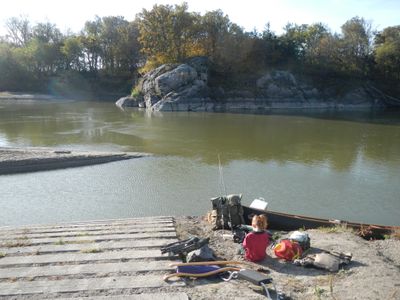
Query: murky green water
[{"x": 331, "y": 165}]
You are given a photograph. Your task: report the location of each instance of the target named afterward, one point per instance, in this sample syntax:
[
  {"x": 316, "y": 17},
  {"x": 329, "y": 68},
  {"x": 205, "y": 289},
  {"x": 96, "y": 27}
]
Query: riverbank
[
  {"x": 18, "y": 160},
  {"x": 189, "y": 87},
  {"x": 121, "y": 258},
  {"x": 373, "y": 273}
]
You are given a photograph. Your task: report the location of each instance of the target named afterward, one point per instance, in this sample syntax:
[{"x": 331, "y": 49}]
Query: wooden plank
[
  {"x": 106, "y": 223},
  {"x": 79, "y": 257},
  {"x": 112, "y": 230},
  {"x": 102, "y": 246},
  {"x": 85, "y": 269},
  {"x": 153, "y": 296},
  {"x": 86, "y": 284},
  {"x": 160, "y": 233}
]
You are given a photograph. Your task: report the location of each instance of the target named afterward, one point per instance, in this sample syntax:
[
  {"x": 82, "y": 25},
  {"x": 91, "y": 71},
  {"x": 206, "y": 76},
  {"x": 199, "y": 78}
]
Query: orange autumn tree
[{"x": 169, "y": 34}]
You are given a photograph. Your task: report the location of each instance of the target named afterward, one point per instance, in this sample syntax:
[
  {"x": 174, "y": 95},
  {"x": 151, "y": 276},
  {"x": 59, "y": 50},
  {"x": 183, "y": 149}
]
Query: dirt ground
[{"x": 373, "y": 273}]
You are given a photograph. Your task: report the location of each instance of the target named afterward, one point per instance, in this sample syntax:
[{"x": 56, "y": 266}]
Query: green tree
[
  {"x": 356, "y": 44},
  {"x": 294, "y": 40},
  {"x": 91, "y": 44},
  {"x": 387, "y": 51},
  {"x": 72, "y": 49},
  {"x": 214, "y": 30},
  {"x": 45, "y": 57},
  {"x": 119, "y": 45},
  {"x": 303, "y": 41},
  {"x": 16, "y": 69},
  {"x": 314, "y": 34},
  {"x": 47, "y": 33},
  {"x": 328, "y": 54},
  {"x": 45, "y": 48}
]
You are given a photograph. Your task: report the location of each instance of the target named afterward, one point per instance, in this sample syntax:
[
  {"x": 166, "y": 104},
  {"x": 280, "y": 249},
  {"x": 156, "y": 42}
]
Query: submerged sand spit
[{"x": 21, "y": 160}]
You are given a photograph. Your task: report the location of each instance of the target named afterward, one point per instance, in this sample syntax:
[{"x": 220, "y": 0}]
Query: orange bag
[{"x": 288, "y": 250}]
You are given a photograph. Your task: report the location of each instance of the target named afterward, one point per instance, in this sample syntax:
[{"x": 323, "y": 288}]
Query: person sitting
[{"x": 256, "y": 242}]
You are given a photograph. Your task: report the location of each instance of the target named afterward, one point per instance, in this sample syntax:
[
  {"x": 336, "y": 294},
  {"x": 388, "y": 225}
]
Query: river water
[{"x": 334, "y": 165}]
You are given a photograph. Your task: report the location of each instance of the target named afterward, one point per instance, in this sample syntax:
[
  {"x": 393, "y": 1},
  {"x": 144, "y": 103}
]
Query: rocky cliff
[{"x": 184, "y": 87}]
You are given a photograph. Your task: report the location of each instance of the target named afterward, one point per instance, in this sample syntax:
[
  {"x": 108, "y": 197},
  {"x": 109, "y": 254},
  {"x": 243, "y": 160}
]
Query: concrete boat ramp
[{"x": 111, "y": 259}]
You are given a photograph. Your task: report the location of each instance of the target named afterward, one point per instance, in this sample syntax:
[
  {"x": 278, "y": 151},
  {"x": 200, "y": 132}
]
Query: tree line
[{"x": 109, "y": 53}]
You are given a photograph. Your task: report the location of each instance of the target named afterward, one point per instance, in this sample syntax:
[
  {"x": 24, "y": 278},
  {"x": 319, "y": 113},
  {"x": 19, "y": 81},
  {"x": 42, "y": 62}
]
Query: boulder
[
  {"x": 200, "y": 64},
  {"x": 174, "y": 79},
  {"x": 129, "y": 101},
  {"x": 280, "y": 86},
  {"x": 278, "y": 78},
  {"x": 176, "y": 86},
  {"x": 147, "y": 83}
]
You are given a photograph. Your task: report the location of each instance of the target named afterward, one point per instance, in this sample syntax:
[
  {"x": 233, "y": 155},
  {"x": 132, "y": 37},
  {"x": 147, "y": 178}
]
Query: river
[{"x": 325, "y": 164}]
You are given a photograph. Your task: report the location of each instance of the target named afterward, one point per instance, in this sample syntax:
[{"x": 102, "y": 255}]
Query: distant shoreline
[
  {"x": 23, "y": 160},
  {"x": 28, "y": 96}
]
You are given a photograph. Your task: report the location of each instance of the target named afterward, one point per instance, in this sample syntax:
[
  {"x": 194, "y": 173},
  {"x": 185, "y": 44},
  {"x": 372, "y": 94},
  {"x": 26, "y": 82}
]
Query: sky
[{"x": 249, "y": 14}]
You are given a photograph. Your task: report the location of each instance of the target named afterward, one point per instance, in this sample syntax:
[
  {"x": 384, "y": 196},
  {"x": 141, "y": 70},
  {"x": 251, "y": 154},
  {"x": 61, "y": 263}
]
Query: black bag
[{"x": 239, "y": 234}]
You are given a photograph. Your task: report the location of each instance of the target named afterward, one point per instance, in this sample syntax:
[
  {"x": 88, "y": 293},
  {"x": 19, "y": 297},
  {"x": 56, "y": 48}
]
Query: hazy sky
[{"x": 72, "y": 14}]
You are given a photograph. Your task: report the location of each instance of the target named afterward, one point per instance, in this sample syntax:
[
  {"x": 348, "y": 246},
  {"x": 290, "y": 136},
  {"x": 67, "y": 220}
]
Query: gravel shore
[
  {"x": 373, "y": 273},
  {"x": 18, "y": 160}
]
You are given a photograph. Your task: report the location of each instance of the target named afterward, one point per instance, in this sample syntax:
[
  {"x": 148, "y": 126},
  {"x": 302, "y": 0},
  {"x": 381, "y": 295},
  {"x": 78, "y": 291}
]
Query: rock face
[
  {"x": 173, "y": 87},
  {"x": 128, "y": 102},
  {"x": 184, "y": 87},
  {"x": 279, "y": 86}
]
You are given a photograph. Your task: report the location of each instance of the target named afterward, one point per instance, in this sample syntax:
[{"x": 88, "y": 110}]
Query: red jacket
[{"x": 255, "y": 244}]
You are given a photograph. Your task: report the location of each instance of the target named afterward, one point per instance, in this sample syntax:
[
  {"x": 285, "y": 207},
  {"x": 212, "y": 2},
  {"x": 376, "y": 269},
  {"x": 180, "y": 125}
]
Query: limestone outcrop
[
  {"x": 177, "y": 87},
  {"x": 184, "y": 87}
]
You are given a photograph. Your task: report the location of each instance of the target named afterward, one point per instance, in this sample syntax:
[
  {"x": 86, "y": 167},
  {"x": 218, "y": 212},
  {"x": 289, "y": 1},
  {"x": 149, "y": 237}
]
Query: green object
[
  {"x": 246, "y": 228},
  {"x": 228, "y": 211}
]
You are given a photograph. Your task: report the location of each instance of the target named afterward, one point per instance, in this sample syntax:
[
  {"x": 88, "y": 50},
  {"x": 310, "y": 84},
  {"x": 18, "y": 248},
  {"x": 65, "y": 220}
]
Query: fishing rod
[
  {"x": 222, "y": 185},
  {"x": 221, "y": 177}
]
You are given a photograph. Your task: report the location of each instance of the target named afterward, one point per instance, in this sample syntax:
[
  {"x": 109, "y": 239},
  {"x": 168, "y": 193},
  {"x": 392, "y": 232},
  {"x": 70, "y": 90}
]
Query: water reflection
[
  {"x": 322, "y": 165},
  {"x": 311, "y": 139}
]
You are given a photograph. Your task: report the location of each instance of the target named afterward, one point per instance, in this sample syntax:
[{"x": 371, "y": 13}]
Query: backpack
[
  {"x": 227, "y": 212},
  {"x": 288, "y": 250},
  {"x": 302, "y": 238},
  {"x": 330, "y": 261}
]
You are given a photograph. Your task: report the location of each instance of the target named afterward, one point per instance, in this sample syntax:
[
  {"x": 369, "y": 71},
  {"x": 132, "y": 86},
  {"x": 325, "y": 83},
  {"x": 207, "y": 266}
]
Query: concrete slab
[
  {"x": 90, "y": 232},
  {"x": 90, "y": 284},
  {"x": 161, "y": 233},
  {"x": 49, "y": 261},
  {"x": 101, "y": 246},
  {"x": 155, "y": 296},
  {"x": 99, "y": 269}
]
